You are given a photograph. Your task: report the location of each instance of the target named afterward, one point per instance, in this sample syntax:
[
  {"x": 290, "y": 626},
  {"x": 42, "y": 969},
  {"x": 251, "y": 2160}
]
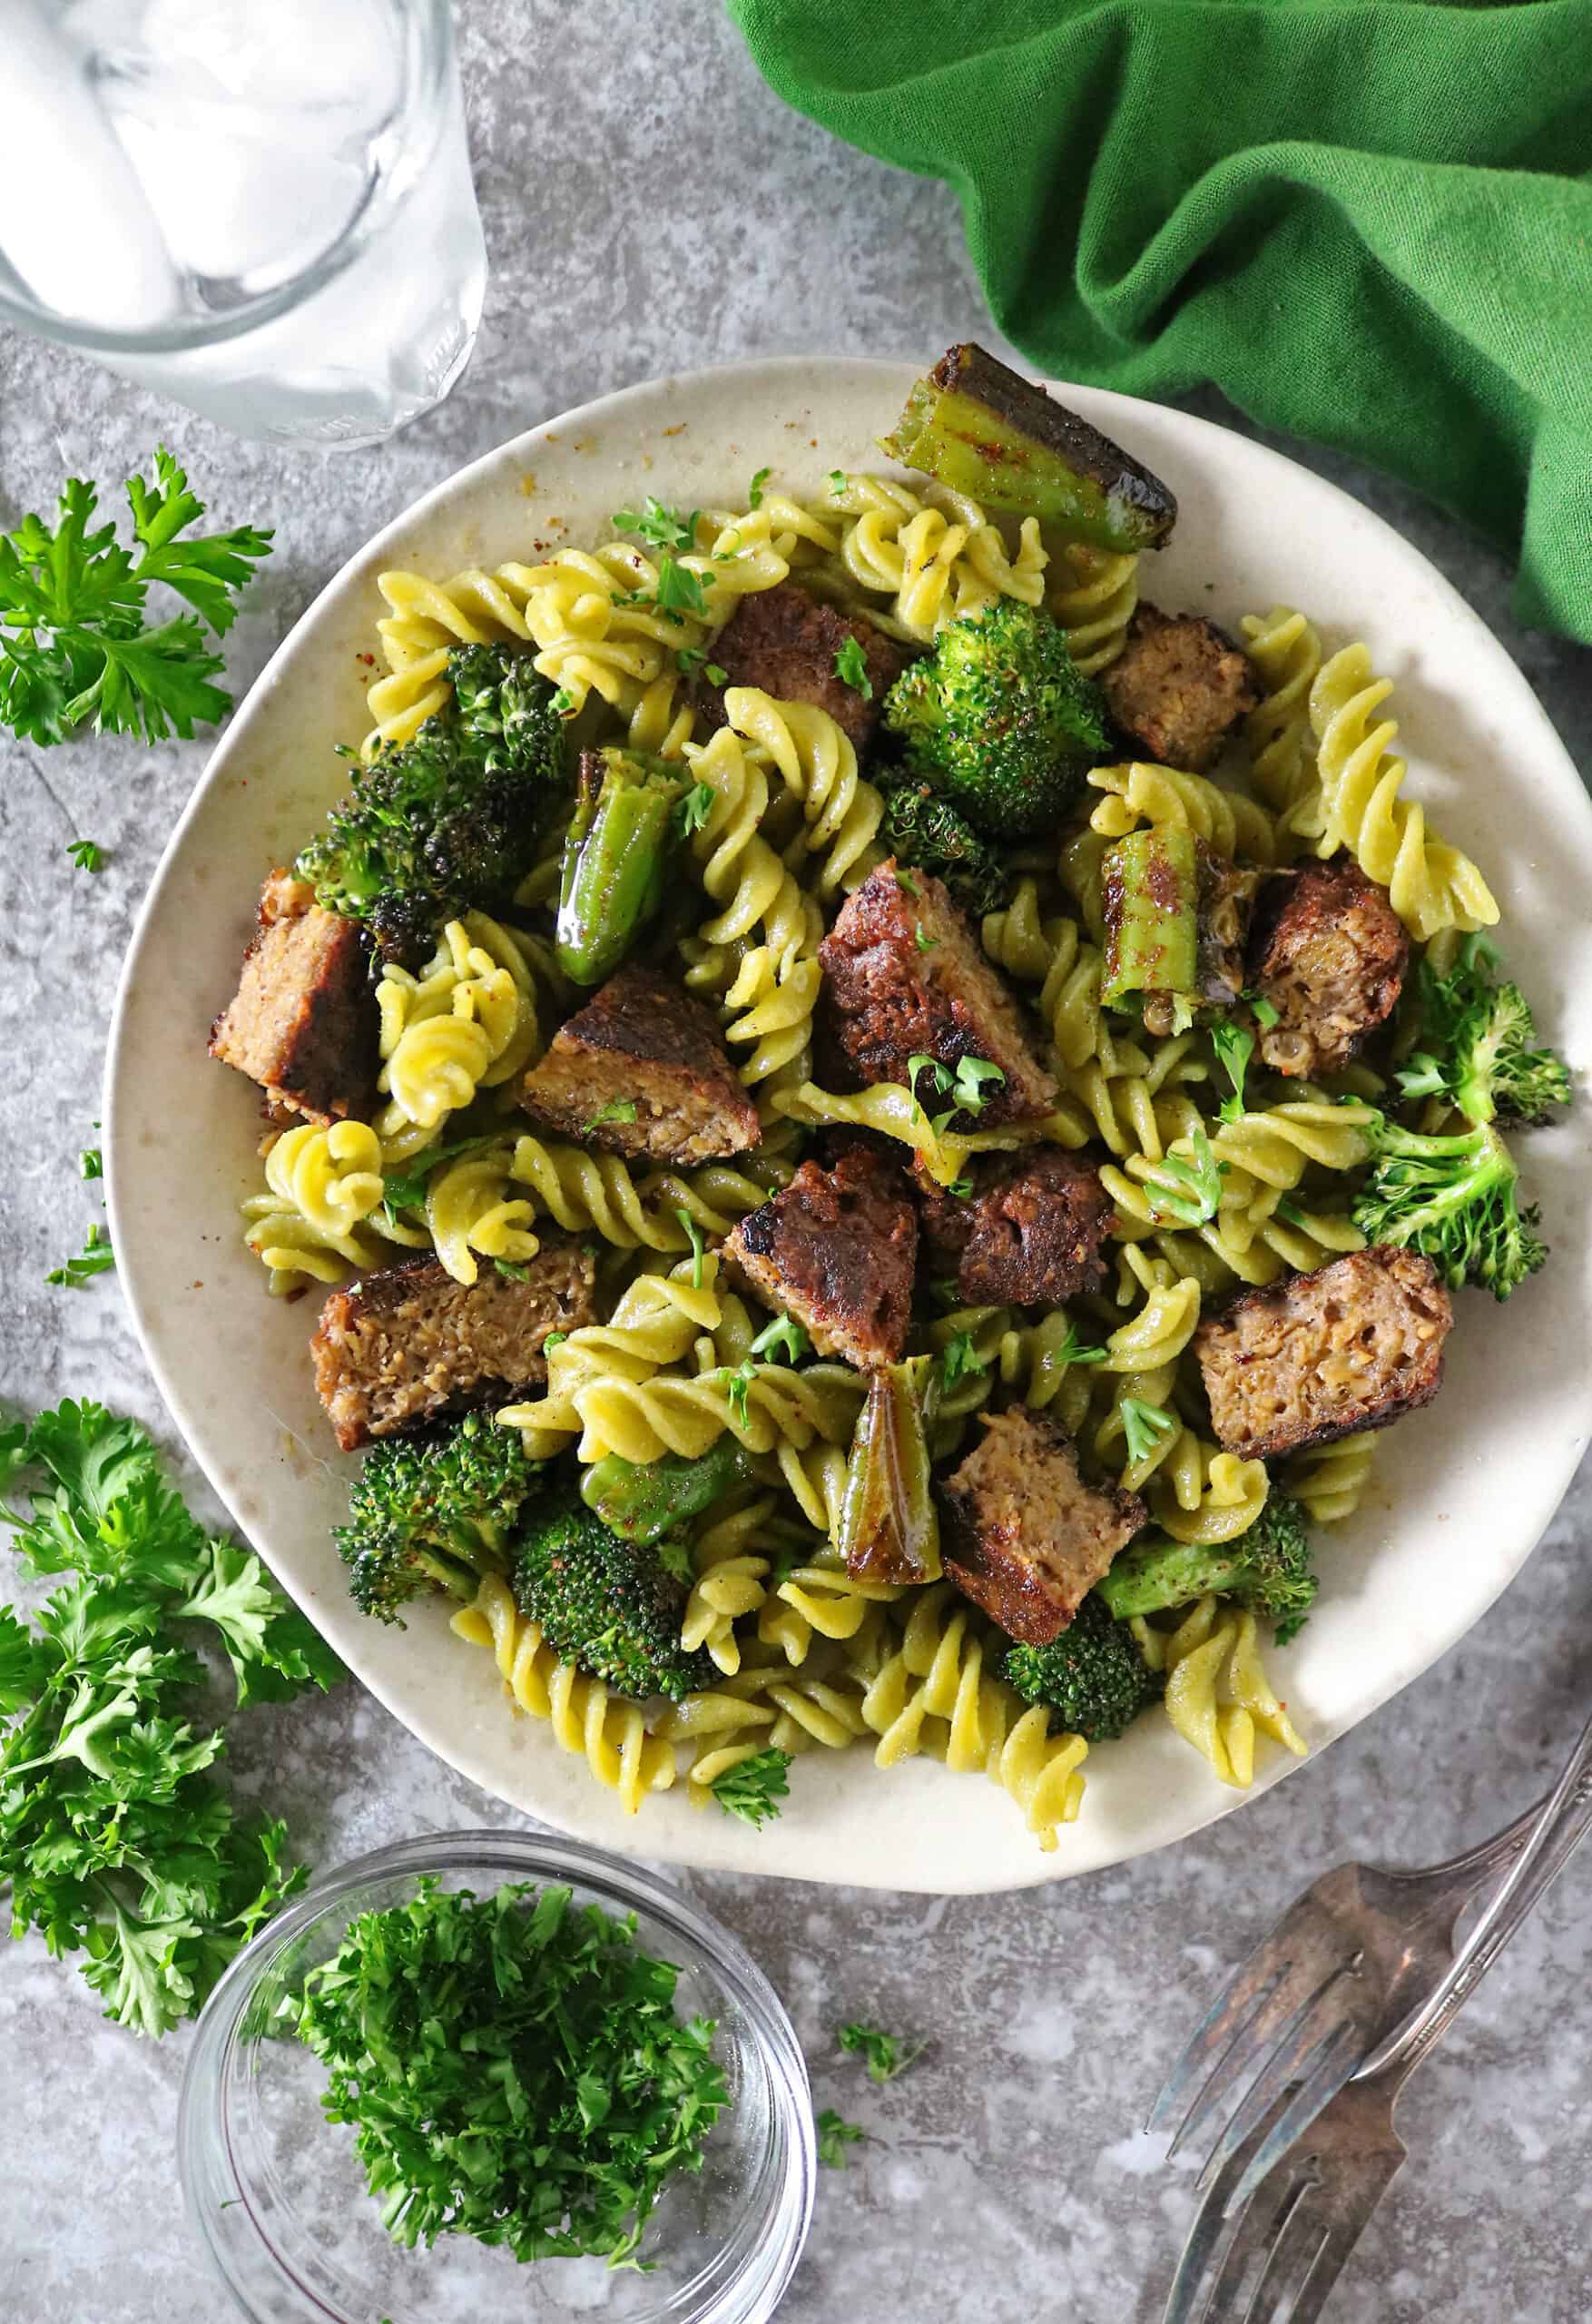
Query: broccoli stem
[
  {"x": 644, "y": 1500},
  {"x": 1150, "y": 895},
  {"x": 983, "y": 430},
  {"x": 1155, "y": 1575},
  {"x": 889, "y": 1529},
  {"x": 617, "y": 858}
]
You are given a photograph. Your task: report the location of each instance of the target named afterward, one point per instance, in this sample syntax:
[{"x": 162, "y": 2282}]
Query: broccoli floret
[
  {"x": 998, "y": 720},
  {"x": 451, "y": 819},
  {"x": 1092, "y": 1678},
  {"x": 1484, "y": 1057},
  {"x": 1266, "y": 1570},
  {"x": 610, "y": 1605},
  {"x": 433, "y": 1512},
  {"x": 928, "y": 832},
  {"x": 1453, "y": 1199}
]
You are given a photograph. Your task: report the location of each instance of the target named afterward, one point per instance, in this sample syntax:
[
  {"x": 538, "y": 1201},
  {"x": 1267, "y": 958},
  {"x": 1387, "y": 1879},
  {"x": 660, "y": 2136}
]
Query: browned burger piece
[
  {"x": 1178, "y": 687},
  {"x": 836, "y": 1250},
  {"x": 404, "y": 1344},
  {"x": 786, "y": 643},
  {"x": 1026, "y": 1538},
  {"x": 1353, "y": 1346},
  {"x": 303, "y": 1020},
  {"x": 1328, "y": 952},
  {"x": 641, "y": 1071},
  {"x": 1030, "y": 1233},
  {"x": 890, "y": 997}
]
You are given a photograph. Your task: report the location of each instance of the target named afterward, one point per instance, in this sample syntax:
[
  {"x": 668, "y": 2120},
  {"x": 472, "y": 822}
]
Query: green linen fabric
[{"x": 1367, "y": 222}]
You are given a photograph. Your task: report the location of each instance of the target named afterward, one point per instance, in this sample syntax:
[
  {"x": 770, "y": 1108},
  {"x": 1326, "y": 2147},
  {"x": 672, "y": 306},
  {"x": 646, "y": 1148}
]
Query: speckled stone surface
[{"x": 648, "y": 206}]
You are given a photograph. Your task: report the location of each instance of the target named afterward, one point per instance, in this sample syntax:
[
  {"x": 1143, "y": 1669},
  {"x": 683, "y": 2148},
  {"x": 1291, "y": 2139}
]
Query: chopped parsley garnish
[
  {"x": 515, "y": 1271},
  {"x": 695, "y": 808},
  {"x": 754, "y": 490},
  {"x": 553, "y": 1340},
  {"x": 95, "y": 1256},
  {"x": 924, "y": 943},
  {"x": 513, "y": 2068},
  {"x": 834, "y": 2136},
  {"x": 1290, "y": 1213},
  {"x": 851, "y": 668},
  {"x": 961, "y": 1189},
  {"x": 1188, "y": 1191},
  {"x": 1073, "y": 1351},
  {"x": 90, "y": 1162},
  {"x": 753, "y": 1789},
  {"x": 836, "y": 480},
  {"x": 663, "y": 527},
  {"x": 886, "y": 2054},
  {"x": 699, "y": 1245},
  {"x": 737, "y": 1385},
  {"x": 692, "y": 658},
  {"x": 87, "y": 854},
  {"x": 907, "y": 884},
  {"x": 972, "y": 1072},
  {"x": 783, "y": 1341},
  {"x": 1144, "y": 1426},
  {"x": 562, "y": 703},
  {"x": 617, "y": 1110},
  {"x": 405, "y": 1189},
  {"x": 1264, "y": 1011},
  {"x": 1235, "y": 1047},
  {"x": 959, "y": 1360},
  {"x": 680, "y": 590}
]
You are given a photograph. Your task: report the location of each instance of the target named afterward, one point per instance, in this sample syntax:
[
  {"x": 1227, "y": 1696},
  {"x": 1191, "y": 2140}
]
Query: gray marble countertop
[{"x": 650, "y": 206}]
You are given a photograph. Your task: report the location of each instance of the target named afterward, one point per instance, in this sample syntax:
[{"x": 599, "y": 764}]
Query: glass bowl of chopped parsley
[{"x": 491, "y": 2073}]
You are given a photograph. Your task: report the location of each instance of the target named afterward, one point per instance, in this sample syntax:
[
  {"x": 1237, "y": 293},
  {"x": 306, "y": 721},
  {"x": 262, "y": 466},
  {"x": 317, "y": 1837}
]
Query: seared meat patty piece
[
  {"x": 1024, "y": 1537},
  {"x": 889, "y": 997},
  {"x": 786, "y": 642},
  {"x": 836, "y": 1249},
  {"x": 1178, "y": 687},
  {"x": 1314, "y": 1357},
  {"x": 1030, "y": 1233},
  {"x": 401, "y": 1346},
  {"x": 641, "y": 1043},
  {"x": 303, "y": 1021},
  {"x": 1328, "y": 952}
]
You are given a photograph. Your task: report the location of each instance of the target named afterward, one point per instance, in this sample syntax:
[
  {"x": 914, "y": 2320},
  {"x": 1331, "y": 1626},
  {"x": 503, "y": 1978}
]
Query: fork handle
[{"x": 1561, "y": 1826}]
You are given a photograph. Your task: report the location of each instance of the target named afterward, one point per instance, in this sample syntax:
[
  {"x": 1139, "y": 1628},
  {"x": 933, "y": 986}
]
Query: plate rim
[{"x": 656, "y": 1843}]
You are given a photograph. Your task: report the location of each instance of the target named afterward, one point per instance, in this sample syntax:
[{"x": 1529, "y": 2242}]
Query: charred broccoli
[
  {"x": 614, "y": 1607},
  {"x": 1454, "y": 1199},
  {"x": 433, "y": 1512},
  {"x": 452, "y": 818},
  {"x": 1094, "y": 1678},
  {"x": 928, "y": 834},
  {"x": 1482, "y": 1053},
  {"x": 998, "y": 720},
  {"x": 1266, "y": 1570}
]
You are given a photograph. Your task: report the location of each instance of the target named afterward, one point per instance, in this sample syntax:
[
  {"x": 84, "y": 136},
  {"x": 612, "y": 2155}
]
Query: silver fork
[{"x": 1290, "y": 2201}]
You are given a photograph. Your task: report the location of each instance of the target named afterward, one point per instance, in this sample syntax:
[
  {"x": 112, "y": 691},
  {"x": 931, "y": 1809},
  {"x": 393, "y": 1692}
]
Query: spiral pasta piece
[
  {"x": 935, "y": 555},
  {"x": 819, "y": 1600},
  {"x": 642, "y": 1420},
  {"x": 584, "y": 1716},
  {"x": 1142, "y": 793},
  {"x": 1217, "y": 1692},
  {"x": 1094, "y": 596},
  {"x": 818, "y": 763},
  {"x": 1286, "y": 651},
  {"x": 470, "y": 1210},
  {"x": 655, "y": 1323},
  {"x": 1430, "y": 885},
  {"x": 580, "y": 1189},
  {"x": 1331, "y": 1481},
  {"x": 468, "y": 1023},
  {"x": 324, "y": 1186}
]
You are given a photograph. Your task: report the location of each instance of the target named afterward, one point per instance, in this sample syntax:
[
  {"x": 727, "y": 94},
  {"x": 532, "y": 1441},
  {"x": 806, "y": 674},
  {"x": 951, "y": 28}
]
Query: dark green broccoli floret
[
  {"x": 1266, "y": 1570},
  {"x": 1453, "y": 1199},
  {"x": 928, "y": 833},
  {"x": 434, "y": 1513},
  {"x": 998, "y": 720},
  {"x": 452, "y": 818},
  {"x": 1481, "y": 1052},
  {"x": 612, "y": 1606},
  {"x": 1093, "y": 1678}
]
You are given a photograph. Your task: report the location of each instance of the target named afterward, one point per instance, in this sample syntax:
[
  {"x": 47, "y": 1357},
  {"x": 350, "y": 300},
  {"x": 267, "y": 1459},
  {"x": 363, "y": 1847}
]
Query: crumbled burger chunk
[
  {"x": 836, "y": 1249},
  {"x": 1314, "y": 1357},
  {"x": 407, "y": 1344},
  {"x": 641, "y": 1071},
  {"x": 1029, "y": 1234},
  {"x": 786, "y": 643},
  {"x": 904, "y": 976},
  {"x": 1328, "y": 952},
  {"x": 1026, "y": 1538},
  {"x": 303, "y": 1021},
  {"x": 1178, "y": 687}
]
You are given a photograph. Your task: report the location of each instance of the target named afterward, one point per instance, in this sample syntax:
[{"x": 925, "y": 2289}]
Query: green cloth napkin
[{"x": 1368, "y": 221}]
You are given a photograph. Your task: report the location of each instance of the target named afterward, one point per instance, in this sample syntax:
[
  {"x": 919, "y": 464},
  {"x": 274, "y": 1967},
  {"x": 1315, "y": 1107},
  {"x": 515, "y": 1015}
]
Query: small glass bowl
[{"x": 278, "y": 2193}]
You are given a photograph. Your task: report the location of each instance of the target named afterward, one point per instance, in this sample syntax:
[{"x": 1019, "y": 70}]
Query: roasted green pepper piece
[
  {"x": 983, "y": 430},
  {"x": 621, "y": 838},
  {"x": 1149, "y": 892},
  {"x": 890, "y": 1529},
  {"x": 642, "y": 1501}
]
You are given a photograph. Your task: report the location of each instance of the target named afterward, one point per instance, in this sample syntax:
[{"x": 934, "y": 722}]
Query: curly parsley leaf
[
  {"x": 782, "y": 1342},
  {"x": 1188, "y": 1188},
  {"x": 1235, "y": 1047},
  {"x": 834, "y": 2136},
  {"x": 95, "y": 1259},
  {"x": 1144, "y": 1425},
  {"x": 851, "y": 668},
  {"x": 959, "y": 1360},
  {"x": 754, "y": 490},
  {"x": 75, "y": 649},
  {"x": 660, "y": 527},
  {"x": 753, "y": 1789},
  {"x": 87, "y": 854},
  {"x": 886, "y": 2053},
  {"x": 617, "y": 1110}
]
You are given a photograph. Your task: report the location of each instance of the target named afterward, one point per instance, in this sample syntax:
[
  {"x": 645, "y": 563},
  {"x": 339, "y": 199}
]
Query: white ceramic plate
[{"x": 1463, "y": 1492}]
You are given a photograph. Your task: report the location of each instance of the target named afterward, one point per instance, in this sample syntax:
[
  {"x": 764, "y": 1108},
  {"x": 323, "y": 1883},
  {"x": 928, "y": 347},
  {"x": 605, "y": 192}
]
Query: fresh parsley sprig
[
  {"x": 782, "y": 1342},
  {"x": 886, "y": 2053},
  {"x": 753, "y": 1789},
  {"x": 96, "y": 1258},
  {"x": 75, "y": 647},
  {"x": 835, "y": 2134},
  {"x": 1187, "y": 1190},
  {"x": 1144, "y": 1426},
  {"x": 851, "y": 668}
]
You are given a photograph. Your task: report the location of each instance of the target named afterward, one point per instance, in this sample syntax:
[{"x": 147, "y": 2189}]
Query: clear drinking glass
[{"x": 264, "y": 211}]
